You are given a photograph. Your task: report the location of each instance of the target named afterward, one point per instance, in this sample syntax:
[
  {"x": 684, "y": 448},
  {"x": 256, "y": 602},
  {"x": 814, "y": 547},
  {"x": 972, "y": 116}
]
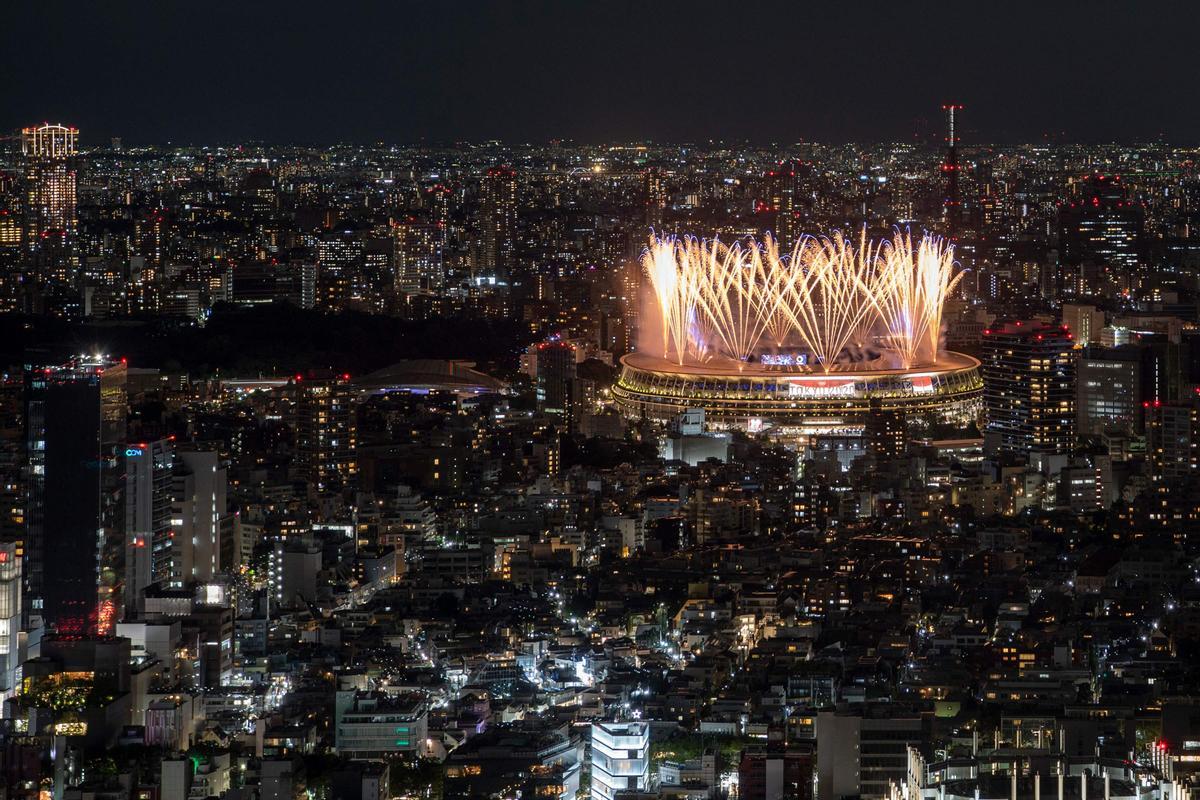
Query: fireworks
[{"x": 839, "y": 303}]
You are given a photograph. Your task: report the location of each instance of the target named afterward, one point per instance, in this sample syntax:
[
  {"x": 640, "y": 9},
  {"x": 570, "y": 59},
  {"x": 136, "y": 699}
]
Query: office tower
[
  {"x": 50, "y": 204},
  {"x": 74, "y": 416},
  {"x": 1100, "y": 239},
  {"x": 149, "y": 536},
  {"x": 200, "y": 514},
  {"x": 499, "y": 219},
  {"x": 555, "y": 372},
  {"x": 340, "y": 259},
  {"x": 776, "y": 773},
  {"x": 1108, "y": 395},
  {"x": 1172, "y": 439},
  {"x": 620, "y": 758},
  {"x": 655, "y": 190},
  {"x": 418, "y": 256},
  {"x": 325, "y": 431},
  {"x": 1029, "y": 387}
]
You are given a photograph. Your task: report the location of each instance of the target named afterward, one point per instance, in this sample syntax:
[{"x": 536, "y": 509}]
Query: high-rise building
[
  {"x": 1172, "y": 439},
  {"x": 886, "y": 431},
  {"x": 438, "y": 202},
  {"x": 418, "y": 256},
  {"x": 74, "y": 418},
  {"x": 1100, "y": 238},
  {"x": 620, "y": 758},
  {"x": 555, "y": 373},
  {"x": 12, "y": 256},
  {"x": 149, "y": 536},
  {"x": 325, "y": 431},
  {"x": 655, "y": 190},
  {"x": 499, "y": 220},
  {"x": 1108, "y": 392},
  {"x": 340, "y": 259},
  {"x": 782, "y": 185},
  {"x": 200, "y": 514},
  {"x": 51, "y": 219},
  {"x": 1029, "y": 387}
]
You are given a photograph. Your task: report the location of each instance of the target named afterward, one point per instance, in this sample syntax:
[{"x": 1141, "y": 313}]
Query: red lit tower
[{"x": 952, "y": 204}]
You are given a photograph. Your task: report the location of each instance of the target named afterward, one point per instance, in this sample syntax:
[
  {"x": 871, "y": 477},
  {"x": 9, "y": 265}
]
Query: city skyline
[{"x": 865, "y": 467}]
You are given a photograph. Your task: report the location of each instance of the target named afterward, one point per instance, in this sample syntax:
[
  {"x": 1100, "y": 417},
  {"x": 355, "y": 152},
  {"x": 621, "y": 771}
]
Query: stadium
[{"x": 799, "y": 343}]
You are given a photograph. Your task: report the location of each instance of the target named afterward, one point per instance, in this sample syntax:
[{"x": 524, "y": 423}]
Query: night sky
[{"x": 320, "y": 72}]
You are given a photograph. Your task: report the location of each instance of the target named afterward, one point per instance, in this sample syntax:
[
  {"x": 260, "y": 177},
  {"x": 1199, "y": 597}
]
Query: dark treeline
[{"x": 274, "y": 339}]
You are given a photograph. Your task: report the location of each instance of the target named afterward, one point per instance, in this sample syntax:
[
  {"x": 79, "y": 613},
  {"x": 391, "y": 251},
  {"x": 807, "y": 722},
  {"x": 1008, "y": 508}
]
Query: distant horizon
[{"x": 87, "y": 143}]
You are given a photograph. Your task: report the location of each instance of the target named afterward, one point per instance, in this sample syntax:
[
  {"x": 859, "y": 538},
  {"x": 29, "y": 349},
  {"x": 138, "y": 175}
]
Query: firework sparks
[{"x": 826, "y": 297}]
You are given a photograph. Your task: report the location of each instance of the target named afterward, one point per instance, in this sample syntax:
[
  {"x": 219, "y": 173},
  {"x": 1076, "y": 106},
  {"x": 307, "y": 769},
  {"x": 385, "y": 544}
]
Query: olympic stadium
[{"x": 805, "y": 342}]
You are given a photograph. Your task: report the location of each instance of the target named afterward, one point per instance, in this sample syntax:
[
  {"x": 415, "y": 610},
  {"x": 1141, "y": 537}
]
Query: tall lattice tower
[{"x": 952, "y": 203}]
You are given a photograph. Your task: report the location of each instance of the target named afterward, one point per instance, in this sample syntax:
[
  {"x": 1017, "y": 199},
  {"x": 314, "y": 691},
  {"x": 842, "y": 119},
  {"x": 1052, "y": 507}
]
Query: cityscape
[{"x": 427, "y": 467}]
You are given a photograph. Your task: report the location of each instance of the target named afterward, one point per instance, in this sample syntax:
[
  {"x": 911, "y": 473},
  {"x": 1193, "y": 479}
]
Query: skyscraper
[
  {"x": 655, "y": 190},
  {"x": 418, "y": 256},
  {"x": 1029, "y": 387},
  {"x": 1108, "y": 390},
  {"x": 499, "y": 221},
  {"x": 340, "y": 259},
  {"x": 200, "y": 511},
  {"x": 1100, "y": 238},
  {"x": 50, "y": 204},
  {"x": 71, "y": 425},
  {"x": 149, "y": 538},
  {"x": 555, "y": 373},
  {"x": 325, "y": 431},
  {"x": 782, "y": 198}
]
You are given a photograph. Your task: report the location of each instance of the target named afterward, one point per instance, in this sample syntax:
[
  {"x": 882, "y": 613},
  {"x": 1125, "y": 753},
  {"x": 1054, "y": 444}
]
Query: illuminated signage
[
  {"x": 131, "y": 452},
  {"x": 822, "y": 389}
]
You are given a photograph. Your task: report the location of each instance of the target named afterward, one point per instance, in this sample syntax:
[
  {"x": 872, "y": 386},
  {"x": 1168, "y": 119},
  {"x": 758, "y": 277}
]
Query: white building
[{"x": 620, "y": 758}]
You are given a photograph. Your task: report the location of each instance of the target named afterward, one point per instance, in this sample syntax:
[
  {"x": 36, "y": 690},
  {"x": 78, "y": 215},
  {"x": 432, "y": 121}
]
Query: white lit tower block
[
  {"x": 418, "y": 255},
  {"x": 50, "y": 202},
  {"x": 620, "y": 758}
]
